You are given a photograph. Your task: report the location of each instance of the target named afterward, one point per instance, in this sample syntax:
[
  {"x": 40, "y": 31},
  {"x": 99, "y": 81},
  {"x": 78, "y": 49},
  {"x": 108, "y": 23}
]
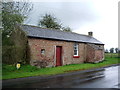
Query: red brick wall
[
  {"x": 50, "y": 51},
  {"x": 94, "y": 54},
  {"x": 90, "y": 54},
  {"x": 99, "y": 55},
  {"x": 86, "y": 52}
]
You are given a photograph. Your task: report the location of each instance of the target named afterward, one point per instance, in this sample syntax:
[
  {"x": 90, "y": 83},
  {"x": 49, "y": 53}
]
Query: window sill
[{"x": 76, "y": 56}]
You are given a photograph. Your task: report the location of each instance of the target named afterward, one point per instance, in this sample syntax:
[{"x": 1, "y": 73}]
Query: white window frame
[{"x": 76, "y": 46}]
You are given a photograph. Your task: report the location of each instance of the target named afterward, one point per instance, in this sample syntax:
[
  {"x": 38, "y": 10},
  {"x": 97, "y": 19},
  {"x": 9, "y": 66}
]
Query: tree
[
  {"x": 14, "y": 40},
  {"x": 106, "y": 51},
  {"x": 116, "y": 50},
  {"x": 67, "y": 29},
  {"x": 111, "y": 50},
  {"x": 48, "y": 21},
  {"x": 13, "y": 13}
]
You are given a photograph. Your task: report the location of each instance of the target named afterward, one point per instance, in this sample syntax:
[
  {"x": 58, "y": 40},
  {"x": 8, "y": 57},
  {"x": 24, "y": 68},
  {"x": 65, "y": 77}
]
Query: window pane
[
  {"x": 75, "y": 53},
  {"x": 75, "y": 48}
]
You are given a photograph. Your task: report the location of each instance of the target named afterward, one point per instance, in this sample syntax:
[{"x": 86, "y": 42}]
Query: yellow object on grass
[{"x": 18, "y": 66}]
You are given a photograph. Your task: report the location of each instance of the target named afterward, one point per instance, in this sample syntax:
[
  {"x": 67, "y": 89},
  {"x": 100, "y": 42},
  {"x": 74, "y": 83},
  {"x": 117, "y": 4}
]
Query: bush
[
  {"x": 18, "y": 50},
  {"x": 13, "y": 54}
]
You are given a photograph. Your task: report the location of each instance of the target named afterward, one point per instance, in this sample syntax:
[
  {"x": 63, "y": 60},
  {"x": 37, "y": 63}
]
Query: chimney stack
[{"x": 90, "y": 33}]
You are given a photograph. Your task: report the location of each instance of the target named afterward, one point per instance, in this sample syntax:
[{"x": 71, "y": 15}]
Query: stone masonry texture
[{"x": 86, "y": 52}]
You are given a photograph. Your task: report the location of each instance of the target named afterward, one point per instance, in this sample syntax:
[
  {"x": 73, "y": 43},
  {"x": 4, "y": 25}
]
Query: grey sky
[
  {"x": 99, "y": 16},
  {"x": 71, "y": 14}
]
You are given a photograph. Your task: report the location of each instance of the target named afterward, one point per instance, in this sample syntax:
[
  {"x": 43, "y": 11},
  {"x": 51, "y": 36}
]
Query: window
[
  {"x": 76, "y": 49},
  {"x": 42, "y": 51}
]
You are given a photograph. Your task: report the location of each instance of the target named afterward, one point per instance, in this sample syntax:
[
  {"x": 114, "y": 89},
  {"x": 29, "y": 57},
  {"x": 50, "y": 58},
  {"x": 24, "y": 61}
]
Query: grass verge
[{"x": 10, "y": 71}]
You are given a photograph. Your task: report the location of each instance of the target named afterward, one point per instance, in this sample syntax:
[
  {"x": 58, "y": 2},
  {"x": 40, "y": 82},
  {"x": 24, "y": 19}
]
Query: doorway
[{"x": 58, "y": 56}]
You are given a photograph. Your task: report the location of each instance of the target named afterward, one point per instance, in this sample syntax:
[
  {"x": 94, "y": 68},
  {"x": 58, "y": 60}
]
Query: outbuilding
[{"x": 57, "y": 48}]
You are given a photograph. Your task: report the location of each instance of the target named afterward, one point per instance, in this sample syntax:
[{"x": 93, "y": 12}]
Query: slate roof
[{"x": 37, "y": 32}]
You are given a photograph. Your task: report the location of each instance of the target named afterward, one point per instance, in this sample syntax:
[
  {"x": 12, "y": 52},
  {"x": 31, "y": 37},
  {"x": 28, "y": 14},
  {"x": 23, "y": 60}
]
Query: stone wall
[
  {"x": 36, "y": 45},
  {"x": 87, "y": 52},
  {"x": 99, "y": 55},
  {"x": 95, "y": 53},
  {"x": 90, "y": 53}
]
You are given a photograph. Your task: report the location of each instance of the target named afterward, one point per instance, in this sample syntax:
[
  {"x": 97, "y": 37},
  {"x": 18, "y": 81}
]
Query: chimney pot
[{"x": 90, "y": 33}]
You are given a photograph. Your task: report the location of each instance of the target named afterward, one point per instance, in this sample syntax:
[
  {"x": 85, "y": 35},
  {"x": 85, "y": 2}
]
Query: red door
[{"x": 58, "y": 56}]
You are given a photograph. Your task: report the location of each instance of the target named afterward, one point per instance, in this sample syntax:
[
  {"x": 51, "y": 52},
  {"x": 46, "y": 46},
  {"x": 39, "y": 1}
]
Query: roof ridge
[{"x": 55, "y": 30}]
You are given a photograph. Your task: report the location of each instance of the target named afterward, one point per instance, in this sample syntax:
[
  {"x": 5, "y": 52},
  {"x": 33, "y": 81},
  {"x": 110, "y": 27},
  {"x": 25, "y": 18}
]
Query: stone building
[{"x": 58, "y": 48}]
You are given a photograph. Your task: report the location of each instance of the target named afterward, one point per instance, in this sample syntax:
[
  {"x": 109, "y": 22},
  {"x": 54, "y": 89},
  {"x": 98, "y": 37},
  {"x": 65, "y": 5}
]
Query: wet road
[{"x": 99, "y": 78}]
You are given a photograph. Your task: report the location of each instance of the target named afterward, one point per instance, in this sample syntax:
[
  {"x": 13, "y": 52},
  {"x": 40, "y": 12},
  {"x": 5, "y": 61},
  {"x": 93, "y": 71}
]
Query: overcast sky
[{"x": 98, "y": 16}]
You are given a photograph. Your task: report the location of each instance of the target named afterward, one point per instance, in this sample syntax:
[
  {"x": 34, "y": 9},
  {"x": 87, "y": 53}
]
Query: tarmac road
[{"x": 96, "y": 78}]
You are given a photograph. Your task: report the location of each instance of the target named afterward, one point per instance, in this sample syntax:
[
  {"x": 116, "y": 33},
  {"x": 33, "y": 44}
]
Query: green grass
[
  {"x": 9, "y": 71},
  {"x": 111, "y": 55}
]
